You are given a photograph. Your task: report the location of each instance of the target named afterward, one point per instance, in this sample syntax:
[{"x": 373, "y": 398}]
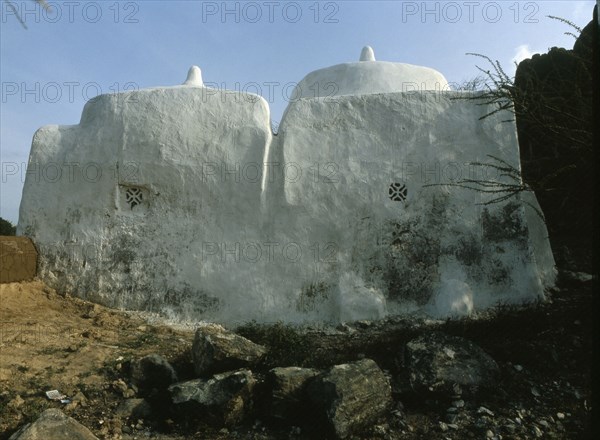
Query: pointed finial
[
  {"x": 367, "y": 54},
  {"x": 194, "y": 77}
]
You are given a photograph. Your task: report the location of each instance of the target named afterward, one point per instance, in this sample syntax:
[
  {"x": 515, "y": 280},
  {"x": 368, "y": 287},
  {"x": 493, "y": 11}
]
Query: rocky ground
[{"x": 542, "y": 388}]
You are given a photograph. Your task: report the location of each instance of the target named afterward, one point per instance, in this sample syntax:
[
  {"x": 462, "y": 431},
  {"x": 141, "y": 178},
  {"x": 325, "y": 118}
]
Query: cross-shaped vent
[
  {"x": 133, "y": 196},
  {"x": 397, "y": 192}
]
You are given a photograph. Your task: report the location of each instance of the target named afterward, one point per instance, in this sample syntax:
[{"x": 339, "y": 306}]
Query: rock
[
  {"x": 152, "y": 371},
  {"x": 288, "y": 385},
  {"x": 553, "y": 90},
  {"x": 53, "y": 424},
  {"x": 79, "y": 398},
  {"x": 364, "y": 323},
  {"x": 584, "y": 44},
  {"x": 484, "y": 410},
  {"x": 91, "y": 312},
  {"x": 439, "y": 364},
  {"x": 350, "y": 396},
  {"x": 119, "y": 385},
  {"x": 381, "y": 430},
  {"x": 15, "y": 403},
  {"x": 482, "y": 422},
  {"x": 343, "y": 327},
  {"x": 134, "y": 409},
  {"x": 216, "y": 350},
  {"x": 567, "y": 277},
  {"x": 458, "y": 403},
  {"x": 451, "y": 418},
  {"x": 227, "y": 395}
]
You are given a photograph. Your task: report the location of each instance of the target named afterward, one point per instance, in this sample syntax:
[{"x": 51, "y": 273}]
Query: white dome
[{"x": 368, "y": 77}]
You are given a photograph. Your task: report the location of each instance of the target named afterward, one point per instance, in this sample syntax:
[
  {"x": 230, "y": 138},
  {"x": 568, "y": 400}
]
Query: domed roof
[{"x": 368, "y": 76}]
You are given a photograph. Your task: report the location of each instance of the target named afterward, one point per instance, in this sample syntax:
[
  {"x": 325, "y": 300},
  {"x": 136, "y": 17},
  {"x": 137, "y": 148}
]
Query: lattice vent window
[
  {"x": 397, "y": 192},
  {"x": 133, "y": 197}
]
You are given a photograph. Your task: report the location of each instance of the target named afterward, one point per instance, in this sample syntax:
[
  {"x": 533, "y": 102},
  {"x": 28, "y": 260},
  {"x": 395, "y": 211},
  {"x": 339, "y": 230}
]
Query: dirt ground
[{"x": 49, "y": 341}]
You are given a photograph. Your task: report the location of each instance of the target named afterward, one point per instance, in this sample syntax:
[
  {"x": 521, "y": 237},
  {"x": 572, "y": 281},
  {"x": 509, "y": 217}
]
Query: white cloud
[{"x": 522, "y": 52}]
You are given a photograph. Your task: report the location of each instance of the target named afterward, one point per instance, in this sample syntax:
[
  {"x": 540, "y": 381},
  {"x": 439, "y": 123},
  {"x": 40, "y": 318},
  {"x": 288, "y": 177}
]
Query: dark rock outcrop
[{"x": 554, "y": 108}]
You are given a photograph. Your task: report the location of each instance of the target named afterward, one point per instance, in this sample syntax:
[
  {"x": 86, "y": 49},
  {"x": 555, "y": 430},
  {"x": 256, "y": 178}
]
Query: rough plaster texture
[
  {"x": 18, "y": 259},
  {"x": 365, "y": 77},
  {"x": 179, "y": 200}
]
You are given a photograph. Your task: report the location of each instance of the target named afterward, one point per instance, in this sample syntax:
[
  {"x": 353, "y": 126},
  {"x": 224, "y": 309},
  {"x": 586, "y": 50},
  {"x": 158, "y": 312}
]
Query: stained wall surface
[{"x": 180, "y": 200}]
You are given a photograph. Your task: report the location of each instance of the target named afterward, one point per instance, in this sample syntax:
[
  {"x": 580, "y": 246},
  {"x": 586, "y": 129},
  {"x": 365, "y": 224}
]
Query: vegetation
[
  {"x": 7, "y": 228},
  {"x": 549, "y": 99}
]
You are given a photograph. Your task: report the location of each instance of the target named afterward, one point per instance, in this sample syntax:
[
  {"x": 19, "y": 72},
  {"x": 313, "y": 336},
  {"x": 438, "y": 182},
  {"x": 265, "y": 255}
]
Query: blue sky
[{"x": 82, "y": 48}]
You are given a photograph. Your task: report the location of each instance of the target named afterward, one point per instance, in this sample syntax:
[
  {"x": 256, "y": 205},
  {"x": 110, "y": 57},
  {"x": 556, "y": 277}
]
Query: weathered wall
[
  {"x": 330, "y": 220},
  {"x": 440, "y": 248},
  {"x": 18, "y": 259},
  {"x": 172, "y": 150}
]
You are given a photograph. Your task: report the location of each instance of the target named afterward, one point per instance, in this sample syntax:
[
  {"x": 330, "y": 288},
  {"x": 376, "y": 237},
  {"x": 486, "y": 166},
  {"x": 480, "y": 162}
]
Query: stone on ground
[
  {"x": 288, "y": 388},
  {"x": 53, "y": 424},
  {"x": 134, "y": 409},
  {"x": 228, "y": 396},
  {"x": 351, "y": 396},
  {"x": 153, "y": 371},
  {"x": 439, "y": 364},
  {"x": 216, "y": 349}
]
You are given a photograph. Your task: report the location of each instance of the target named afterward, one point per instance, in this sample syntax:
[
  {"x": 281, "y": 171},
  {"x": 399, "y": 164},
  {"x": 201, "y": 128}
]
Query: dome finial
[
  {"x": 194, "y": 77},
  {"x": 367, "y": 54}
]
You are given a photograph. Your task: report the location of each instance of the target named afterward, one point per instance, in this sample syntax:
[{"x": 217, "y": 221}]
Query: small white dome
[
  {"x": 367, "y": 54},
  {"x": 368, "y": 76},
  {"x": 194, "y": 77}
]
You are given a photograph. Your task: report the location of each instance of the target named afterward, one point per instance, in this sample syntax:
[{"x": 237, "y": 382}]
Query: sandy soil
[{"x": 49, "y": 341}]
